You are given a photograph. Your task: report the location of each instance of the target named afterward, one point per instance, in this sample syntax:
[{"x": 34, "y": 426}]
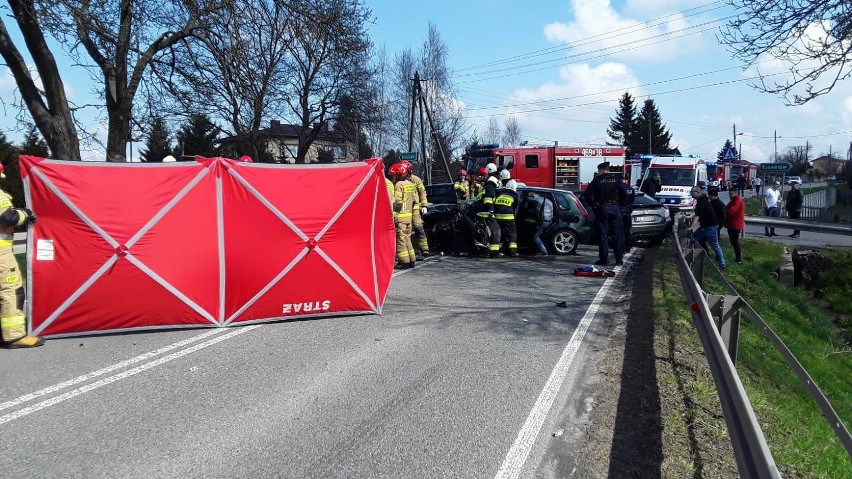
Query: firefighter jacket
[
  {"x": 475, "y": 189},
  {"x": 462, "y": 189},
  {"x": 420, "y": 198},
  {"x": 487, "y": 196},
  {"x": 389, "y": 185},
  {"x": 506, "y": 204},
  {"x": 403, "y": 200},
  {"x": 10, "y": 217}
]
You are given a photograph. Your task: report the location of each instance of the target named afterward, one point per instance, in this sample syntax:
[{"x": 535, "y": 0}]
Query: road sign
[
  {"x": 782, "y": 167},
  {"x": 728, "y": 154},
  {"x": 408, "y": 155}
]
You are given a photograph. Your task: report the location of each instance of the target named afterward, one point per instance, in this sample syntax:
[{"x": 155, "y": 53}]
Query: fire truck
[{"x": 564, "y": 167}]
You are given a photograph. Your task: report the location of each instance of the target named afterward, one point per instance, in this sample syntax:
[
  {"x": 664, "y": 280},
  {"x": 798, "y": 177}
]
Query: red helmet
[
  {"x": 483, "y": 171},
  {"x": 462, "y": 172},
  {"x": 398, "y": 171},
  {"x": 408, "y": 168},
  {"x": 246, "y": 159},
  {"x": 2, "y": 171}
]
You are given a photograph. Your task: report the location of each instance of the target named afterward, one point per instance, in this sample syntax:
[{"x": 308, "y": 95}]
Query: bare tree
[
  {"x": 327, "y": 57},
  {"x": 512, "y": 132},
  {"x": 233, "y": 71},
  {"x": 813, "y": 37},
  {"x": 48, "y": 106},
  {"x": 493, "y": 132}
]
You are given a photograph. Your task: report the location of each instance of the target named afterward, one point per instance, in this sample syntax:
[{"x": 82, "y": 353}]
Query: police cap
[{"x": 604, "y": 165}]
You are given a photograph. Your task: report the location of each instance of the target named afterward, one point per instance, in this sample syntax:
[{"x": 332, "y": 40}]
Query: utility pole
[
  {"x": 650, "y": 149},
  {"x": 734, "y": 141},
  {"x": 418, "y": 103},
  {"x": 776, "y": 147}
]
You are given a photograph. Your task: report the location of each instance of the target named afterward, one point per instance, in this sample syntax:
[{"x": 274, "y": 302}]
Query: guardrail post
[
  {"x": 696, "y": 264},
  {"x": 727, "y": 309}
]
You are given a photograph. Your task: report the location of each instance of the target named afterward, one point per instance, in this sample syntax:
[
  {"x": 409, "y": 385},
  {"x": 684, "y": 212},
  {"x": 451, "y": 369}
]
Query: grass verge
[{"x": 799, "y": 437}]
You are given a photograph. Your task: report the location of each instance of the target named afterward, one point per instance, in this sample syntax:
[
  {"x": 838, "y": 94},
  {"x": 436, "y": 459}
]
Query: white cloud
[{"x": 597, "y": 25}]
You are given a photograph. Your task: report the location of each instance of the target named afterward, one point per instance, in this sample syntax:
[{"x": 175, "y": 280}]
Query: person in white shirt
[
  {"x": 546, "y": 219},
  {"x": 771, "y": 205},
  {"x": 756, "y": 184}
]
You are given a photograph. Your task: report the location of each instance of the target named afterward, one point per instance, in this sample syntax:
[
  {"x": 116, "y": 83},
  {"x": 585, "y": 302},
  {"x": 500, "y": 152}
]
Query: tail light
[{"x": 580, "y": 207}]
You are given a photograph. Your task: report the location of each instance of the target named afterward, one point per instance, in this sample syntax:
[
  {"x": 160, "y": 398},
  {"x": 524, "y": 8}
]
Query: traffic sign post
[
  {"x": 782, "y": 167},
  {"x": 408, "y": 156},
  {"x": 728, "y": 154}
]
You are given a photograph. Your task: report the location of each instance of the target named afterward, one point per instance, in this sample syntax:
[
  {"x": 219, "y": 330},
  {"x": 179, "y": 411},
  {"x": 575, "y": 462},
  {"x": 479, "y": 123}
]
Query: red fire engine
[{"x": 563, "y": 167}]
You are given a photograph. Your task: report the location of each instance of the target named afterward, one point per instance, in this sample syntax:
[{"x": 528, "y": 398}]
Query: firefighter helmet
[
  {"x": 512, "y": 185},
  {"x": 2, "y": 171},
  {"x": 491, "y": 168},
  {"x": 505, "y": 175},
  {"x": 408, "y": 168},
  {"x": 398, "y": 171},
  {"x": 483, "y": 171},
  {"x": 169, "y": 159},
  {"x": 245, "y": 159}
]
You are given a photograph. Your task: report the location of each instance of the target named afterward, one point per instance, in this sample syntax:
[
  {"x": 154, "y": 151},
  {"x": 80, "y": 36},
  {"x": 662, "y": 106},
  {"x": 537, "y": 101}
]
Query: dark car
[
  {"x": 455, "y": 228},
  {"x": 441, "y": 193},
  {"x": 650, "y": 220}
]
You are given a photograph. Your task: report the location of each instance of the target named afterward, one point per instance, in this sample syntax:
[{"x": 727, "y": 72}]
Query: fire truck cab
[{"x": 567, "y": 168}]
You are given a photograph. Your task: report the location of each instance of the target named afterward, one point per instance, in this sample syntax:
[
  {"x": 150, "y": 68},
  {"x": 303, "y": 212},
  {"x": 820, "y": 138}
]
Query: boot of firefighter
[{"x": 14, "y": 334}]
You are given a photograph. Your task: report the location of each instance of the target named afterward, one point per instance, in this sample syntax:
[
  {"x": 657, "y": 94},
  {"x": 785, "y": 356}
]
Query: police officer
[
  {"x": 485, "y": 208},
  {"x": 403, "y": 209},
  {"x": 462, "y": 187},
  {"x": 13, "y": 322},
  {"x": 608, "y": 194},
  {"x": 505, "y": 209}
]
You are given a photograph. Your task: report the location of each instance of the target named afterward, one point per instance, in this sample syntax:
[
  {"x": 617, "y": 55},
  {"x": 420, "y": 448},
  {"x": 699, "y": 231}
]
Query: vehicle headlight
[{"x": 686, "y": 201}]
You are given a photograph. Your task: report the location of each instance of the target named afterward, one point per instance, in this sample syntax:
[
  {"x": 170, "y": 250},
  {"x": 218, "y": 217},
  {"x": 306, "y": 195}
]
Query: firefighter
[
  {"x": 485, "y": 208},
  {"x": 505, "y": 209},
  {"x": 608, "y": 194},
  {"x": 477, "y": 184},
  {"x": 505, "y": 176},
  {"x": 403, "y": 209},
  {"x": 389, "y": 184},
  {"x": 13, "y": 322},
  {"x": 420, "y": 210},
  {"x": 462, "y": 187}
]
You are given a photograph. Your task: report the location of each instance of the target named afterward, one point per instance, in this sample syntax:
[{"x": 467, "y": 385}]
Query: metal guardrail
[
  {"x": 803, "y": 225},
  {"x": 750, "y": 449},
  {"x": 720, "y": 347}
]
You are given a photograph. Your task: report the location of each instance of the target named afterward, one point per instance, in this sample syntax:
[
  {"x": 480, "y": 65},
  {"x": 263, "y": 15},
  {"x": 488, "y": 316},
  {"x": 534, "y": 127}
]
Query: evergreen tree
[
  {"x": 727, "y": 145},
  {"x": 650, "y": 121},
  {"x": 34, "y": 144},
  {"x": 622, "y": 127},
  {"x": 12, "y": 184},
  {"x": 197, "y": 138},
  {"x": 159, "y": 144}
]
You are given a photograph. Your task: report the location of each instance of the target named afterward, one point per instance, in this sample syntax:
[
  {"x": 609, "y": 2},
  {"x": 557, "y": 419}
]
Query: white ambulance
[{"x": 678, "y": 174}]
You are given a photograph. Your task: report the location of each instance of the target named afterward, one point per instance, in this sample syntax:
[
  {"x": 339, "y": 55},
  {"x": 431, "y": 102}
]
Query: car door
[{"x": 529, "y": 215}]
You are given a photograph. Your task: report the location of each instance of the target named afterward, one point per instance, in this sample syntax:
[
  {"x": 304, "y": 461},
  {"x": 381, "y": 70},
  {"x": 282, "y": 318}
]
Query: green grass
[{"x": 799, "y": 437}]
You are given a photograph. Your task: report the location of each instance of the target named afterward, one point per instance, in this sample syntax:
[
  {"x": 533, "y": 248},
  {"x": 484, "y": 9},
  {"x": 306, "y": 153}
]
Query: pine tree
[
  {"x": 197, "y": 138},
  {"x": 650, "y": 121},
  {"x": 12, "y": 184},
  {"x": 159, "y": 144},
  {"x": 34, "y": 144},
  {"x": 622, "y": 127}
]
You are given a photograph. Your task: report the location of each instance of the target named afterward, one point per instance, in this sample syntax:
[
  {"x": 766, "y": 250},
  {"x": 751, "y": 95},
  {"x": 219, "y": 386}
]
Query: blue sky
[
  {"x": 700, "y": 117},
  {"x": 577, "y": 58}
]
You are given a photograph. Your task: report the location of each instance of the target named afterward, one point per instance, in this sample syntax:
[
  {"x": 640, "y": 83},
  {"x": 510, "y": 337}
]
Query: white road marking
[
  {"x": 520, "y": 450},
  {"x": 420, "y": 264},
  {"x": 108, "y": 369},
  {"x": 123, "y": 375}
]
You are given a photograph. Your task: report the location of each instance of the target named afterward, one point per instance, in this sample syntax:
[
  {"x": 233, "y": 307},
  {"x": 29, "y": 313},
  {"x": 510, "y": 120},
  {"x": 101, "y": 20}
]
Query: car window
[
  {"x": 531, "y": 161},
  {"x": 506, "y": 161},
  {"x": 562, "y": 202}
]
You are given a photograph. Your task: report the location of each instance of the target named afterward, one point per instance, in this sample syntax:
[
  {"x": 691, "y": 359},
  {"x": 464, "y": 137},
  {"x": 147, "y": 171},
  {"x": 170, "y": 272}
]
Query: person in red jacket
[{"x": 735, "y": 221}]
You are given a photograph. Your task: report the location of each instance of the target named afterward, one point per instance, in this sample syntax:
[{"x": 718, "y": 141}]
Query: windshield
[{"x": 674, "y": 176}]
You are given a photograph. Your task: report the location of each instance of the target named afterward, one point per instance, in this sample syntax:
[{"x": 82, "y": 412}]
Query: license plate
[{"x": 646, "y": 219}]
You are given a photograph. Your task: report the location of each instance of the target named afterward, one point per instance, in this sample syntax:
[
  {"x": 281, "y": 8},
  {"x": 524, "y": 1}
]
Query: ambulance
[{"x": 678, "y": 174}]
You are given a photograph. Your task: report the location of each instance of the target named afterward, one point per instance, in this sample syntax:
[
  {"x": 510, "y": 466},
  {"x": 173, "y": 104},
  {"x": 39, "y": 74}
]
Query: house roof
[{"x": 278, "y": 130}]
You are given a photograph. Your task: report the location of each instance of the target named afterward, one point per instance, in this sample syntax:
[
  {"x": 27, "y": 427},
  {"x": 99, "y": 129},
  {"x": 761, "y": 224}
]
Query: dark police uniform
[{"x": 608, "y": 194}]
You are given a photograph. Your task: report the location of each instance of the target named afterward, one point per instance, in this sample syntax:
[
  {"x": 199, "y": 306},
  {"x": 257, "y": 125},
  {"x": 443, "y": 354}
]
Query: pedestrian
[
  {"x": 505, "y": 210},
  {"x": 718, "y": 208},
  {"x": 757, "y": 182},
  {"x": 485, "y": 209},
  {"x": 546, "y": 220},
  {"x": 403, "y": 209},
  {"x": 741, "y": 185},
  {"x": 608, "y": 194},
  {"x": 462, "y": 187},
  {"x": 771, "y": 202},
  {"x": 708, "y": 225},
  {"x": 794, "y": 204},
  {"x": 653, "y": 185},
  {"x": 420, "y": 210},
  {"x": 13, "y": 321},
  {"x": 735, "y": 223}
]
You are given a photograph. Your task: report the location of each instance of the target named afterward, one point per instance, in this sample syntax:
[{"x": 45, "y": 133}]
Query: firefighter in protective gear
[
  {"x": 505, "y": 176},
  {"x": 477, "y": 184},
  {"x": 420, "y": 210},
  {"x": 505, "y": 209},
  {"x": 485, "y": 209},
  {"x": 403, "y": 209},
  {"x": 13, "y": 322},
  {"x": 462, "y": 187}
]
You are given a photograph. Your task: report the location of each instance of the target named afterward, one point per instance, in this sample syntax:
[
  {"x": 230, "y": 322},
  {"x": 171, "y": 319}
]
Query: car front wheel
[{"x": 564, "y": 242}]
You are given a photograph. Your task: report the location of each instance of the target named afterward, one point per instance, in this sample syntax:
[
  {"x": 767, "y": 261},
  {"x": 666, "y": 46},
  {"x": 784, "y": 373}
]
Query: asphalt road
[{"x": 468, "y": 372}]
